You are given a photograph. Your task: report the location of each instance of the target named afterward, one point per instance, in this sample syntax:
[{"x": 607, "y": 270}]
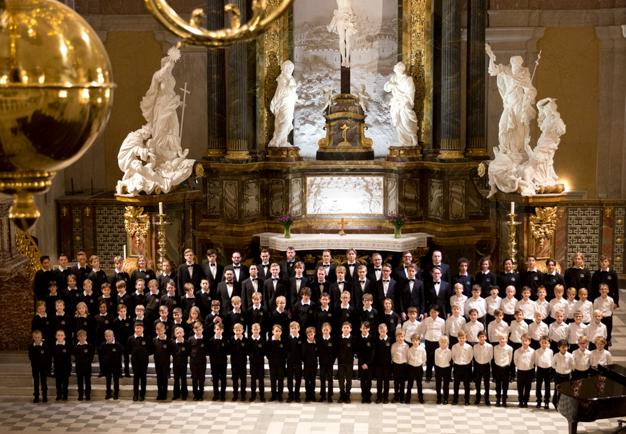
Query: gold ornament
[
  {"x": 191, "y": 32},
  {"x": 136, "y": 224},
  {"x": 543, "y": 224},
  {"x": 55, "y": 97}
]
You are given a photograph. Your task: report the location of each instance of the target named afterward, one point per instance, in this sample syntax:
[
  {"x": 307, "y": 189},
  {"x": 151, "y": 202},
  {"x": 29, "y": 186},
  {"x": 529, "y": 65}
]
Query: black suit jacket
[
  {"x": 293, "y": 295},
  {"x": 335, "y": 293},
  {"x": 213, "y": 280},
  {"x": 224, "y": 297},
  {"x": 331, "y": 275},
  {"x": 354, "y": 276},
  {"x": 195, "y": 277},
  {"x": 427, "y": 276},
  {"x": 270, "y": 294},
  {"x": 412, "y": 298},
  {"x": 263, "y": 275},
  {"x": 172, "y": 276},
  {"x": 357, "y": 291},
  {"x": 371, "y": 272},
  {"x": 247, "y": 289},
  {"x": 379, "y": 296},
  {"x": 243, "y": 273},
  {"x": 286, "y": 269},
  {"x": 442, "y": 300}
]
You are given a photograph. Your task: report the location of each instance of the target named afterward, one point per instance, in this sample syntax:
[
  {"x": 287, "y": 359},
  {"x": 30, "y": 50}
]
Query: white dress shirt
[
  {"x": 416, "y": 356},
  {"x": 557, "y": 332},
  {"x": 581, "y": 359},
  {"x": 432, "y": 330},
  {"x": 524, "y": 358},
  {"x": 502, "y": 356},
  {"x": 496, "y": 328},
  {"x": 563, "y": 363},
  {"x": 454, "y": 324},
  {"x": 600, "y": 358},
  {"x": 543, "y": 358},
  {"x": 443, "y": 357},
  {"x": 462, "y": 355},
  {"x": 483, "y": 353}
]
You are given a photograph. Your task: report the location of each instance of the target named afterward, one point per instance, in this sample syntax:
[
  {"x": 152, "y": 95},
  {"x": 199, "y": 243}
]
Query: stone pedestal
[
  {"x": 404, "y": 153},
  {"x": 345, "y": 131},
  {"x": 284, "y": 153}
]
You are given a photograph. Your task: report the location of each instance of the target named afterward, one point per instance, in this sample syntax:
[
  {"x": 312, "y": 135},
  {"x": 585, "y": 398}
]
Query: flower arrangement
[
  {"x": 397, "y": 220},
  {"x": 286, "y": 220}
]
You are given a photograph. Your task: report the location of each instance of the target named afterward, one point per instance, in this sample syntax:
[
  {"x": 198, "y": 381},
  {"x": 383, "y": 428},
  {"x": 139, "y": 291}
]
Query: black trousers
[
  {"x": 399, "y": 375},
  {"x": 115, "y": 378},
  {"x": 544, "y": 375},
  {"x": 344, "y": 373},
  {"x": 578, "y": 375},
  {"x": 180, "y": 380},
  {"x": 40, "y": 379},
  {"x": 257, "y": 376},
  {"x": 462, "y": 374},
  {"x": 515, "y": 346},
  {"x": 326, "y": 380},
  {"x": 431, "y": 346},
  {"x": 442, "y": 381},
  {"x": 524, "y": 384},
  {"x": 482, "y": 373},
  {"x": 294, "y": 378},
  {"x": 163, "y": 375},
  {"x": 501, "y": 378},
  {"x": 309, "y": 373},
  {"x": 414, "y": 374},
  {"x": 382, "y": 382},
  {"x": 218, "y": 375},
  {"x": 277, "y": 381},
  {"x": 558, "y": 380},
  {"x": 61, "y": 379},
  {"x": 365, "y": 376},
  {"x": 238, "y": 374},
  {"x": 83, "y": 380},
  {"x": 139, "y": 381},
  {"x": 608, "y": 322}
]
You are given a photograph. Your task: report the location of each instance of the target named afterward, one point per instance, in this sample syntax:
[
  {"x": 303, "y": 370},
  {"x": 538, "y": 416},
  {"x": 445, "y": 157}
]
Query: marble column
[
  {"x": 240, "y": 99},
  {"x": 450, "y": 146},
  {"x": 476, "y": 128},
  {"x": 216, "y": 86}
]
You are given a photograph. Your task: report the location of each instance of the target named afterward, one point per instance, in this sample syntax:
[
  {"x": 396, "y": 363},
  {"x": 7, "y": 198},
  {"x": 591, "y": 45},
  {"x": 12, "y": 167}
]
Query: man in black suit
[
  {"x": 249, "y": 286},
  {"x": 436, "y": 261},
  {"x": 351, "y": 265},
  {"x": 263, "y": 268},
  {"x": 401, "y": 274},
  {"x": 212, "y": 270},
  {"x": 240, "y": 271},
  {"x": 329, "y": 267},
  {"x": 320, "y": 285},
  {"x": 375, "y": 269},
  {"x": 342, "y": 284},
  {"x": 273, "y": 287},
  {"x": 226, "y": 290},
  {"x": 551, "y": 278},
  {"x": 81, "y": 270},
  {"x": 532, "y": 277},
  {"x": 286, "y": 266},
  {"x": 412, "y": 293},
  {"x": 189, "y": 271},
  {"x": 296, "y": 283},
  {"x": 363, "y": 285},
  {"x": 385, "y": 288},
  {"x": 166, "y": 275},
  {"x": 509, "y": 277},
  {"x": 438, "y": 293}
]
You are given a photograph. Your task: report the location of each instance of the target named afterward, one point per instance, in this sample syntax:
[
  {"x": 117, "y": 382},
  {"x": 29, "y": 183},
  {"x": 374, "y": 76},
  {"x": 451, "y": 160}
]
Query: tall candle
[
  {"x": 512, "y": 207},
  {"x": 161, "y": 208},
  {"x": 124, "y": 251}
]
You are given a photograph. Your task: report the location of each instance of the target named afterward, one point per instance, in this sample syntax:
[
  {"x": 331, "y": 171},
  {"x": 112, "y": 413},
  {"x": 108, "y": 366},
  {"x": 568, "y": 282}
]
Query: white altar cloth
[{"x": 382, "y": 242}]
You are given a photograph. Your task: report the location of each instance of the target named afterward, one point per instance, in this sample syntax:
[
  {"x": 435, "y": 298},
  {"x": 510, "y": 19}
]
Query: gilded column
[
  {"x": 450, "y": 146},
  {"x": 476, "y": 129},
  {"x": 216, "y": 95},
  {"x": 240, "y": 101}
]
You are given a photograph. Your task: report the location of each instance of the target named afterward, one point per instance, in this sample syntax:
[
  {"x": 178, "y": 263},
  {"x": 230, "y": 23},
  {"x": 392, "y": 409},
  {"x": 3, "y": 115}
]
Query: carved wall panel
[
  {"x": 584, "y": 233},
  {"x": 392, "y": 195},
  {"x": 277, "y": 197},
  {"x": 230, "y": 199},
  {"x": 456, "y": 201},
  {"x": 251, "y": 199},
  {"x": 410, "y": 198},
  {"x": 296, "y": 194},
  {"x": 618, "y": 239},
  {"x": 213, "y": 196},
  {"x": 109, "y": 237},
  {"x": 435, "y": 198}
]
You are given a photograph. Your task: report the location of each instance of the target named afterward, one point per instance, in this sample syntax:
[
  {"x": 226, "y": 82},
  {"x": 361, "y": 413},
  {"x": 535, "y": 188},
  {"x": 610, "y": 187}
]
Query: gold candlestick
[
  {"x": 341, "y": 227},
  {"x": 161, "y": 237},
  {"x": 512, "y": 224}
]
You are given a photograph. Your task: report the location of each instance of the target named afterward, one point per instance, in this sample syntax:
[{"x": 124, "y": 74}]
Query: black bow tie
[
  {"x": 341, "y": 283},
  {"x": 254, "y": 279},
  {"x": 274, "y": 280},
  {"x": 212, "y": 265},
  {"x": 236, "y": 266},
  {"x": 361, "y": 282},
  {"x": 326, "y": 266},
  {"x": 386, "y": 281},
  {"x": 411, "y": 280},
  {"x": 298, "y": 278},
  {"x": 377, "y": 269},
  {"x": 437, "y": 283}
]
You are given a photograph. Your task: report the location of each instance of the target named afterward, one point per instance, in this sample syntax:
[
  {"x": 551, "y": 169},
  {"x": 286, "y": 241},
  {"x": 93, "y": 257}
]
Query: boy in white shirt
[
  {"x": 454, "y": 324},
  {"x": 596, "y": 329},
  {"x": 473, "y": 327},
  {"x": 508, "y": 304},
  {"x": 493, "y": 303},
  {"x": 416, "y": 358},
  {"x": 462, "y": 356},
  {"x": 483, "y": 355},
  {"x": 524, "y": 358},
  {"x": 497, "y": 327},
  {"x": 558, "y": 303},
  {"x": 443, "y": 370},
  {"x": 575, "y": 331},
  {"x": 476, "y": 302},
  {"x": 581, "y": 359},
  {"x": 502, "y": 358},
  {"x": 431, "y": 329},
  {"x": 571, "y": 304},
  {"x": 458, "y": 298},
  {"x": 606, "y": 305},
  {"x": 541, "y": 304},
  {"x": 557, "y": 331},
  {"x": 537, "y": 329},
  {"x": 411, "y": 325},
  {"x": 600, "y": 356},
  {"x": 526, "y": 305},
  {"x": 543, "y": 361},
  {"x": 563, "y": 364},
  {"x": 584, "y": 305},
  {"x": 517, "y": 329}
]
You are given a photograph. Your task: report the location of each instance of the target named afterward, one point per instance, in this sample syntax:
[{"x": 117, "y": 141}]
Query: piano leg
[{"x": 573, "y": 427}]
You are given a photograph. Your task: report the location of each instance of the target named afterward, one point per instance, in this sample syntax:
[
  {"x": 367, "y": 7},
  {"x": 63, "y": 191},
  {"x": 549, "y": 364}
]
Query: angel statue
[
  {"x": 403, "y": 116},
  {"x": 344, "y": 25},
  {"x": 283, "y": 105}
]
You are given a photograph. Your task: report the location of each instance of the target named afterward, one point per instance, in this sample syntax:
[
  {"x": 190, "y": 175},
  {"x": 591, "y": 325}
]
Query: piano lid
[{"x": 594, "y": 388}]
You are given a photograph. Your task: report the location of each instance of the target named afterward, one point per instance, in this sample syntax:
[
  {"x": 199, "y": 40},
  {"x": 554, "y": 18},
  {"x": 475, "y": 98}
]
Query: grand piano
[{"x": 602, "y": 396}]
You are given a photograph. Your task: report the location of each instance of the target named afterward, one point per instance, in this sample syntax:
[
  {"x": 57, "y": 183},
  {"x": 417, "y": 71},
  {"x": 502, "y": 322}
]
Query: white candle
[
  {"x": 512, "y": 207},
  {"x": 161, "y": 208},
  {"x": 124, "y": 251}
]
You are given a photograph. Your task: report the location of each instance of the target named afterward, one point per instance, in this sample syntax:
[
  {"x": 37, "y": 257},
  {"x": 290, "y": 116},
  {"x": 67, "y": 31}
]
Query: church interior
[{"x": 471, "y": 129}]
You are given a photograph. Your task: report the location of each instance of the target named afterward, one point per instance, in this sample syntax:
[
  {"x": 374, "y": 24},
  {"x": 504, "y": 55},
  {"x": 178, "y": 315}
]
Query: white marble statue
[
  {"x": 344, "y": 25},
  {"x": 283, "y": 105},
  {"x": 152, "y": 157},
  {"x": 518, "y": 98},
  {"x": 403, "y": 116},
  {"x": 364, "y": 98},
  {"x": 538, "y": 171}
]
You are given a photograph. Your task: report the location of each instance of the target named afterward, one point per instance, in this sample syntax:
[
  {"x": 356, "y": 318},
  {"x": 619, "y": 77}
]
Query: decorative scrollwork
[
  {"x": 27, "y": 246},
  {"x": 137, "y": 224},
  {"x": 543, "y": 224},
  {"x": 192, "y": 32}
]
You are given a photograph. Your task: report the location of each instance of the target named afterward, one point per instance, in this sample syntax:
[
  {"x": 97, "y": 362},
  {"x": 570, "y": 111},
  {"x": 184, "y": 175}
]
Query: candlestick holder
[
  {"x": 512, "y": 224},
  {"x": 160, "y": 224}
]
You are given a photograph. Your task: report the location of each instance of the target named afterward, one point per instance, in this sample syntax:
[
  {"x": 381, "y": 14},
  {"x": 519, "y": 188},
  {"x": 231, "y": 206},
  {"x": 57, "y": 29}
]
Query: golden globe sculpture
[{"x": 56, "y": 93}]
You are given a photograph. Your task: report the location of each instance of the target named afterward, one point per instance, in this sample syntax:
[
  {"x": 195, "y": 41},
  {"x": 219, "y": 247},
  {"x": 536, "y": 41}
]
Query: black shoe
[
  {"x": 497, "y": 403},
  {"x": 438, "y": 401},
  {"x": 330, "y": 399},
  {"x": 135, "y": 398},
  {"x": 347, "y": 400},
  {"x": 142, "y": 398},
  {"x": 385, "y": 400},
  {"x": 444, "y": 402},
  {"x": 235, "y": 398},
  {"x": 35, "y": 400},
  {"x": 467, "y": 403},
  {"x": 262, "y": 398},
  {"x": 108, "y": 396},
  {"x": 546, "y": 406},
  {"x": 116, "y": 396},
  {"x": 407, "y": 400},
  {"x": 520, "y": 404},
  {"x": 44, "y": 399},
  {"x": 80, "y": 398},
  {"x": 504, "y": 404},
  {"x": 477, "y": 401},
  {"x": 289, "y": 399},
  {"x": 252, "y": 399},
  {"x": 538, "y": 405},
  {"x": 487, "y": 402},
  {"x": 421, "y": 399},
  {"x": 455, "y": 401},
  {"x": 378, "y": 400},
  {"x": 297, "y": 398}
]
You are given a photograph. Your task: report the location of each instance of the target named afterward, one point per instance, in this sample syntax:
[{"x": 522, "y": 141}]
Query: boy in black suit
[
  {"x": 238, "y": 359},
  {"x": 325, "y": 314},
  {"x": 123, "y": 328},
  {"x": 139, "y": 349},
  {"x": 198, "y": 349},
  {"x": 276, "y": 359},
  {"x": 257, "y": 315},
  {"x": 218, "y": 352},
  {"x": 382, "y": 364},
  {"x": 386, "y": 288},
  {"x": 162, "y": 352},
  {"x": 61, "y": 354},
  {"x": 257, "y": 362},
  {"x": 309, "y": 356},
  {"x": 304, "y": 309},
  {"x": 365, "y": 355},
  {"x": 296, "y": 283},
  {"x": 345, "y": 362},
  {"x": 83, "y": 357},
  {"x": 39, "y": 356},
  {"x": 189, "y": 271},
  {"x": 294, "y": 362},
  {"x": 327, "y": 354},
  {"x": 180, "y": 356},
  {"x": 111, "y": 352}
]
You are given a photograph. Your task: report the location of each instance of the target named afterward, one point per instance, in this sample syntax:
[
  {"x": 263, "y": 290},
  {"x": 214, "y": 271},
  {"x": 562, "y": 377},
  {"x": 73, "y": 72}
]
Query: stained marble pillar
[
  {"x": 476, "y": 129},
  {"x": 240, "y": 96},
  {"x": 216, "y": 86},
  {"x": 450, "y": 146}
]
